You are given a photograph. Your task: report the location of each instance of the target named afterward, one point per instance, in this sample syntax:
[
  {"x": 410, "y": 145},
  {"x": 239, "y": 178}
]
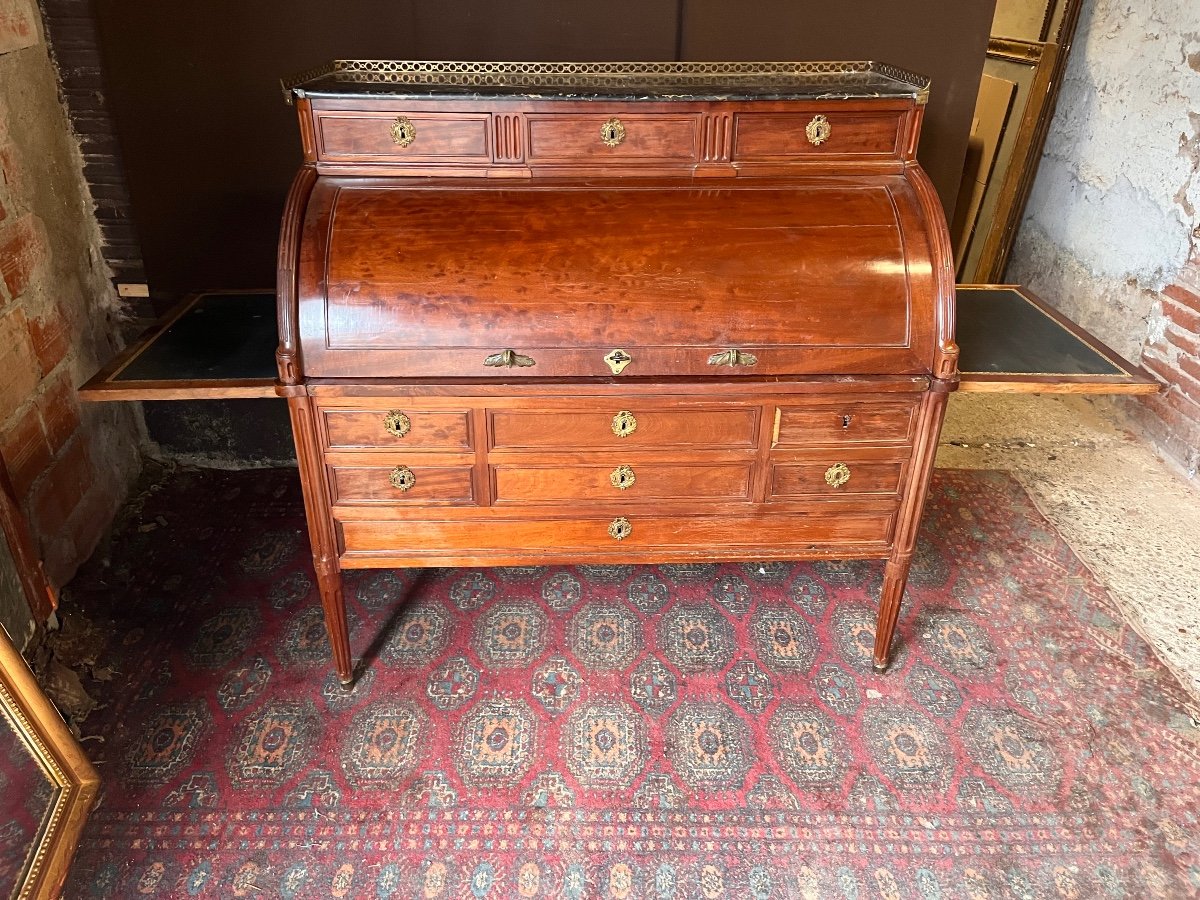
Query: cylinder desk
[{"x": 612, "y": 313}]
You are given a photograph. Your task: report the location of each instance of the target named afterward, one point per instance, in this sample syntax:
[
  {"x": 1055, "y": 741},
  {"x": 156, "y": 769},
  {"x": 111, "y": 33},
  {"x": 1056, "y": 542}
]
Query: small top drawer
[
  {"x": 631, "y": 427},
  {"x": 612, "y": 137},
  {"x": 403, "y": 136},
  {"x": 779, "y": 137},
  {"x": 846, "y": 422},
  {"x": 397, "y": 428}
]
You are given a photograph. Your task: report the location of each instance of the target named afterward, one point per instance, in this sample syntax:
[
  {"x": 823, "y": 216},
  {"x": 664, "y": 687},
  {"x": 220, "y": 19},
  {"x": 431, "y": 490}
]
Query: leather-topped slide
[
  {"x": 1012, "y": 341},
  {"x": 219, "y": 344}
]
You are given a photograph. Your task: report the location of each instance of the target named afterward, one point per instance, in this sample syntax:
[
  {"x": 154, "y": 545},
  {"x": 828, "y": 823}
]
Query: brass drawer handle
[
  {"x": 624, "y": 424},
  {"x": 403, "y": 131},
  {"x": 622, "y": 478},
  {"x": 612, "y": 132},
  {"x": 837, "y": 475},
  {"x": 733, "y": 358},
  {"x": 818, "y": 131},
  {"x": 402, "y": 478},
  {"x": 509, "y": 359},
  {"x": 619, "y": 529},
  {"x": 397, "y": 423}
]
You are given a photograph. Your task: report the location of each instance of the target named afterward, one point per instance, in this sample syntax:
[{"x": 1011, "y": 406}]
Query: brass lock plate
[
  {"x": 612, "y": 132},
  {"x": 397, "y": 423},
  {"x": 622, "y": 478},
  {"x": 620, "y": 528},
  {"x": 403, "y": 131},
  {"x": 837, "y": 475},
  {"x": 617, "y": 361},
  {"x": 624, "y": 424},
  {"x": 402, "y": 478}
]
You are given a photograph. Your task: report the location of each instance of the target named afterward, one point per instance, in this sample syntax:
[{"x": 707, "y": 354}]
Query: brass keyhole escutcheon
[
  {"x": 612, "y": 132},
  {"x": 619, "y": 529},
  {"x": 617, "y": 361},
  {"x": 397, "y": 423},
  {"x": 624, "y": 424},
  {"x": 403, "y": 131},
  {"x": 402, "y": 478},
  {"x": 818, "y": 131},
  {"x": 622, "y": 478},
  {"x": 837, "y": 475}
]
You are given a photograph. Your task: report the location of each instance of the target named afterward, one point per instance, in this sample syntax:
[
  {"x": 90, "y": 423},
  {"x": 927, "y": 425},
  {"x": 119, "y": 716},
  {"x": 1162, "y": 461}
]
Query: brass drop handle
[
  {"x": 818, "y": 130},
  {"x": 397, "y": 423},
  {"x": 403, "y": 131},
  {"x": 402, "y": 478},
  {"x": 622, "y": 478},
  {"x": 733, "y": 358},
  {"x": 509, "y": 359},
  {"x": 837, "y": 475},
  {"x": 619, "y": 529},
  {"x": 612, "y": 132},
  {"x": 624, "y": 424}
]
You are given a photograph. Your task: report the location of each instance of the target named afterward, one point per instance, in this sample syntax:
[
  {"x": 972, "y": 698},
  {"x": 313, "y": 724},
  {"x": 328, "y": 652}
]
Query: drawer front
[
  {"x": 770, "y": 137},
  {"x": 836, "y": 479},
  {"x": 852, "y": 421},
  {"x": 724, "y": 428},
  {"x": 529, "y": 537},
  {"x": 402, "y": 484},
  {"x": 574, "y": 138},
  {"x": 397, "y": 427},
  {"x": 621, "y": 482},
  {"x": 424, "y": 137}
]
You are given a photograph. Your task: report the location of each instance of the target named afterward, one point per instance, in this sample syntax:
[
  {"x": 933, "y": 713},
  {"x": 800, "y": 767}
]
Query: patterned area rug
[{"x": 669, "y": 731}]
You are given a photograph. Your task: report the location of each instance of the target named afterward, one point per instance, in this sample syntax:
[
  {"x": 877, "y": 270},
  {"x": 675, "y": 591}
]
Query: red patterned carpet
[{"x": 671, "y": 731}]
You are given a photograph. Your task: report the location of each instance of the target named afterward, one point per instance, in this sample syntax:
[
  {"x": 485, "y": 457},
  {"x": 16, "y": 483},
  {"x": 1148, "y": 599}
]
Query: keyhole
[
  {"x": 610, "y": 133},
  {"x": 846, "y": 421}
]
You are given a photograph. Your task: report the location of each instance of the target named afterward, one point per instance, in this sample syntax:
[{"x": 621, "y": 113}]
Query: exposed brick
[
  {"x": 88, "y": 522},
  {"x": 59, "y": 408},
  {"x": 1185, "y": 342},
  {"x": 19, "y": 371},
  {"x": 25, "y": 450},
  {"x": 61, "y": 489},
  {"x": 18, "y": 29},
  {"x": 1186, "y": 383},
  {"x": 1183, "y": 296},
  {"x": 22, "y": 250},
  {"x": 1181, "y": 316},
  {"x": 1190, "y": 366},
  {"x": 51, "y": 337}
]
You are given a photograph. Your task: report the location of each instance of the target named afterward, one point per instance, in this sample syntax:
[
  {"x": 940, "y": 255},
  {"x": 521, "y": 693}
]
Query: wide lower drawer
[
  {"x": 629, "y": 534},
  {"x": 621, "y": 482},
  {"x": 625, "y": 426}
]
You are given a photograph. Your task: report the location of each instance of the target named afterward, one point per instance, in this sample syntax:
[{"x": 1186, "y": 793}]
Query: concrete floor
[{"x": 1133, "y": 520}]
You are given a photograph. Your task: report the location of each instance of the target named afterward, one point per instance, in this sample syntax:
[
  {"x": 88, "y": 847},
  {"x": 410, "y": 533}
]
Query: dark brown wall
[{"x": 209, "y": 147}]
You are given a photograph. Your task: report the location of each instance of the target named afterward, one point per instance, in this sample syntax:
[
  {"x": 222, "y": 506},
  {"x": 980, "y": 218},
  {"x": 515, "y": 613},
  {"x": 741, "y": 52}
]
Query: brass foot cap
[
  {"x": 880, "y": 667},
  {"x": 347, "y": 681}
]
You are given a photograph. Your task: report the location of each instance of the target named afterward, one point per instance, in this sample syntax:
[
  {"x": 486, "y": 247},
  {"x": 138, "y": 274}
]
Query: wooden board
[
  {"x": 219, "y": 344},
  {"x": 1012, "y": 341}
]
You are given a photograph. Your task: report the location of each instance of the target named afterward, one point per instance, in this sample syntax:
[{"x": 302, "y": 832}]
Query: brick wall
[
  {"x": 1172, "y": 352},
  {"x": 70, "y": 466}
]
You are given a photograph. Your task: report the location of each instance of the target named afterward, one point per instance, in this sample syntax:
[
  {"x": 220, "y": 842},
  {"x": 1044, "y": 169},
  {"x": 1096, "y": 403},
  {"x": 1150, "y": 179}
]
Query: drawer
[
  {"x": 632, "y": 426},
  {"x": 397, "y": 427},
  {"x": 852, "y": 421},
  {"x": 474, "y": 536},
  {"x": 622, "y": 482},
  {"x": 836, "y": 478},
  {"x": 402, "y": 135},
  {"x": 576, "y": 138},
  {"x": 401, "y": 484},
  {"x": 763, "y": 137}
]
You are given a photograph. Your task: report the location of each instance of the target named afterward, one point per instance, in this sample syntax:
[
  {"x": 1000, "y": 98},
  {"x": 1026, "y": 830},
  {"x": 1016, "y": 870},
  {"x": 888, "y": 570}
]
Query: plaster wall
[{"x": 1112, "y": 230}]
